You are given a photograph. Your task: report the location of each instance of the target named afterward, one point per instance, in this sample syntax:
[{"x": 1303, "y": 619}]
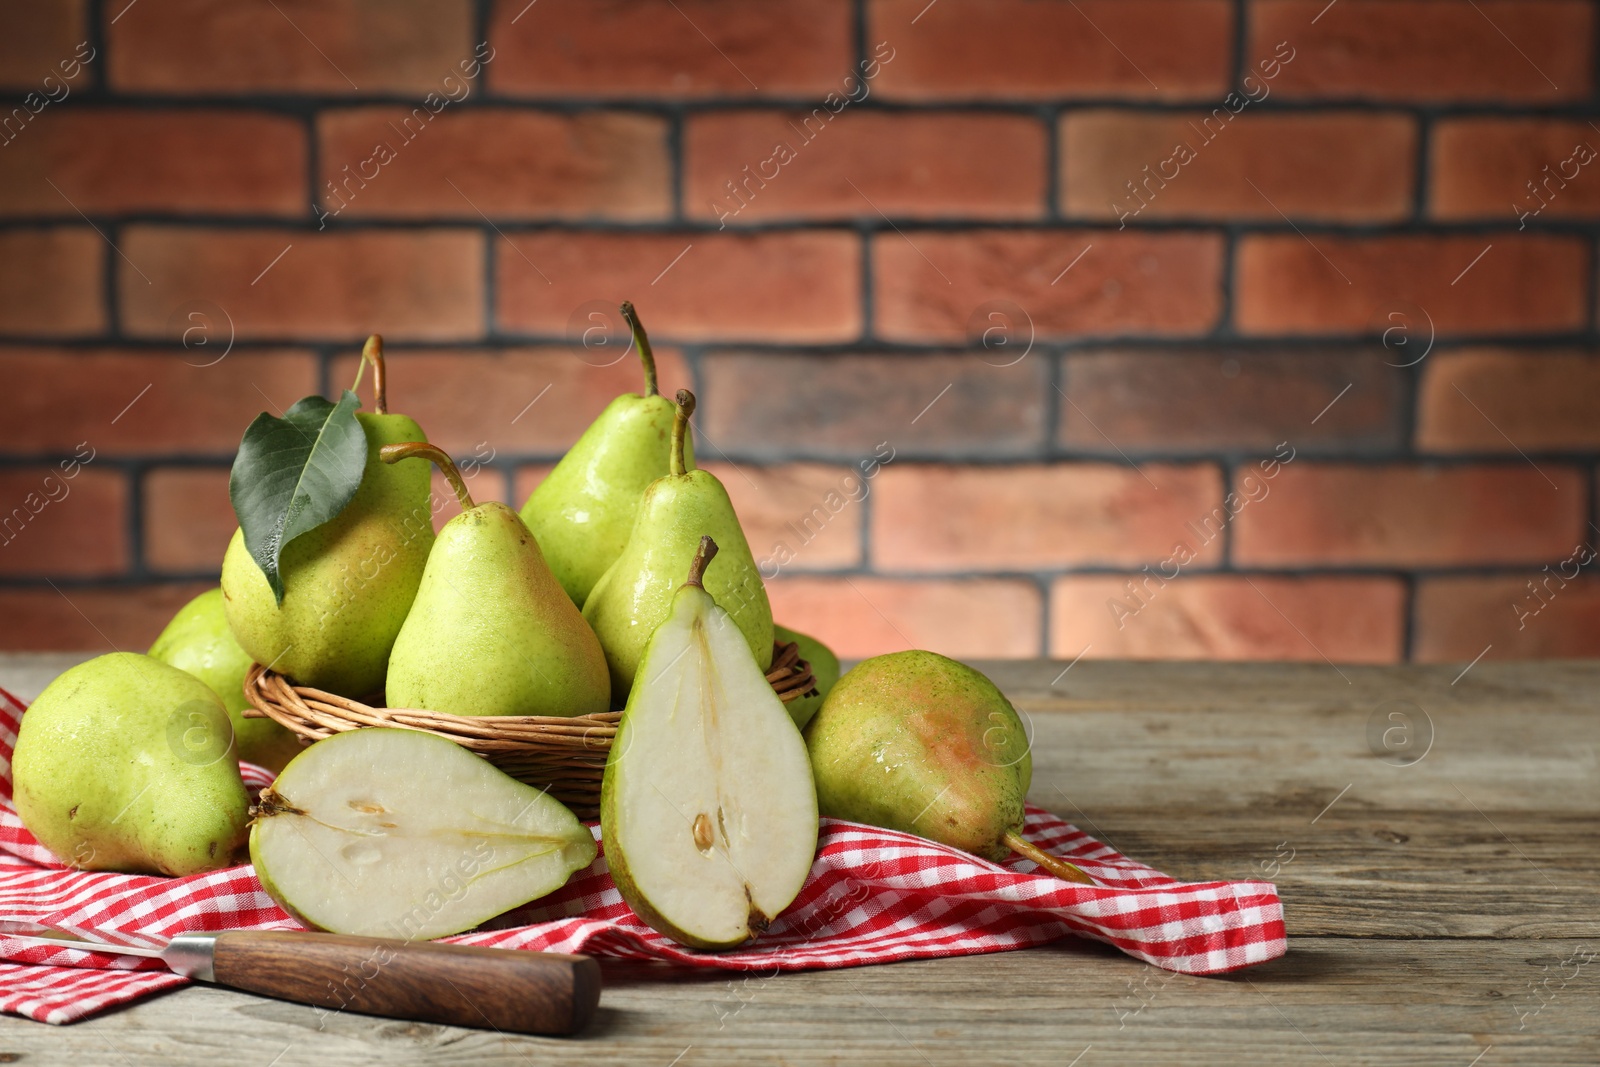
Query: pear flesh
[
  {"x": 919, "y": 743},
  {"x": 824, "y": 671},
  {"x": 127, "y": 764},
  {"x": 707, "y": 809},
  {"x": 397, "y": 833},
  {"x": 198, "y": 641},
  {"x": 347, "y": 584},
  {"x": 491, "y": 631}
]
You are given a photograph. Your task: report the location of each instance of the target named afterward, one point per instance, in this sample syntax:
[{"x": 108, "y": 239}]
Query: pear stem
[
  {"x": 372, "y": 352},
  {"x": 1054, "y": 864},
  {"x": 646, "y": 356},
  {"x": 440, "y": 458},
  {"x": 702, "y": 559},
  {"x": 680, "y": 428}
]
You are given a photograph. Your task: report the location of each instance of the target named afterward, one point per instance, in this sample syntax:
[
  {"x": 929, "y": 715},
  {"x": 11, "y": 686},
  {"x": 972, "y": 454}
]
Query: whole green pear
[
  {"x": 348, "y": 583},
  {"x": 127, "y": 764},
  {"x": 198, "y": 640},
  {"x": 824, "y": 670},
  {"x": 916, "y": 742},
  {"x": 584, "y": 509},
  {"x": 635, "y": 593},
  {"x": 491, "y": 631}
]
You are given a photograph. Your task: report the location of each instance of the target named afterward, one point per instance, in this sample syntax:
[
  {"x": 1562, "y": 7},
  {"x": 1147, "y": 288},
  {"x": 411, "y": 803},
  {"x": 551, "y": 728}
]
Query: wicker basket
[{"x": 565, "y": 756}]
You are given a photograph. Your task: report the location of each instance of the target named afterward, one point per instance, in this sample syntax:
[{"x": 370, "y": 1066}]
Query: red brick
[
  {"x": 940, "y": 518},
  {"x": 39, "y": 37},
  {"x": 1507, "y": 168},
  {"x": 135, "y": 402},
  {"x": 1005, "y": 49},
  {"x": 525, "y": 480},
  {"x": 1430, "y": 50},
  {"x": 511, "y": 402},
  {"x": 422, "y": 284},
  {"x": 797, "y": 517},
  {"x": 51, "y": 524},
  {"x": 904, "y": 164},
  {"x": 688, "y": 49},
  {"x": 50, "y": 282},
  {"x": 1228, "y": 617},
  {"x": 1416, "y": 516},
  {"x": 1344, "y": 166},
  {"x": 1229, "y": 398},
  {"x": 92, "y": 619},
  {"x": 1321, "y": 283},
  {"x": 779, "y": 405},
  {"x": 1499, "y": 400},
  {"x": 768, "y": 286},
  {"x": 1539, "y": 614},
  {"x": 294, "y": 46},
  {"x": 860, "y": 616},
  {"x": 937, "y": 286},
  {"x": 110, "y": 160},
  {"x": 504, "y": 164},
  {"x": 188, "y": 519}
]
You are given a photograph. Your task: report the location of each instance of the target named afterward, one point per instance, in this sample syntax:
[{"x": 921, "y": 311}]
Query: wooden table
[{"x": 1441, "y": 910}]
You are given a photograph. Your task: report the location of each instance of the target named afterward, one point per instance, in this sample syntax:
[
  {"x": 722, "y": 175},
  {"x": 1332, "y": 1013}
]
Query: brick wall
[{"x": 1199, "y": 328}]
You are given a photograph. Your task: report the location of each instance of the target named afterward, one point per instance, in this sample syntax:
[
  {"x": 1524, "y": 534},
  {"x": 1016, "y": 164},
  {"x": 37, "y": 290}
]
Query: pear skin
[
  {"x": 824, "y": 670},
  {"x": 127, "y": 764},
  {"x": 491, "y": 631},
  {"x": 635, "y": 594},
  {"x": 584, "y": 509},
  {"x": 916, "y": 742},
  {"x": 198, "y": 640},
  {"x": 347, "y": 584}
]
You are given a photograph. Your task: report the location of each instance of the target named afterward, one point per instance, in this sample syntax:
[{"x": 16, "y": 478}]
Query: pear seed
[{"x": 702, "y": 832}]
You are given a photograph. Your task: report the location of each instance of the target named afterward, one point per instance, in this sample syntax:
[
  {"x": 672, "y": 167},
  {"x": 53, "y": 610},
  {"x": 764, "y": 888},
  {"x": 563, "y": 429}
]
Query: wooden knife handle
[{"x": 459, "y": 985}]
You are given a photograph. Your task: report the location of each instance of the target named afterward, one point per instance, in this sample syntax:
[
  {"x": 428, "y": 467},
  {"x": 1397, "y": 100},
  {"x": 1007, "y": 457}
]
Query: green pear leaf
[{"x": 295, "y": 473}]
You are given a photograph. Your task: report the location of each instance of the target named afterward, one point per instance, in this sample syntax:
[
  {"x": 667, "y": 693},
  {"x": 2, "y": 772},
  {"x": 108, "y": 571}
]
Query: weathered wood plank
[
  {"x": 1351, "y": 1001},
  {"x": 1166, "y": 737},
  {"x": 1376, "y": 873},
  {"x": 1431, "y": 881}
]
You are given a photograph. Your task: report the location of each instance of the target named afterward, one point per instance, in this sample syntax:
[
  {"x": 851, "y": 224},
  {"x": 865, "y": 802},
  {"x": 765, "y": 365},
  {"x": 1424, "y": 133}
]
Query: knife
[{"x": 459, "y": 985}]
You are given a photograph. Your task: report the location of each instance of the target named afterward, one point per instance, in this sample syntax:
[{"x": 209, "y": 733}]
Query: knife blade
[{"x": 458, "y": 985}]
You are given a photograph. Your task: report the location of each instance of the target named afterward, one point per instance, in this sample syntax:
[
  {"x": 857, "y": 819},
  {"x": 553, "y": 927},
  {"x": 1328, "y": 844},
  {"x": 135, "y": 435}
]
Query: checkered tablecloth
[{"x": 873, "y": 896}]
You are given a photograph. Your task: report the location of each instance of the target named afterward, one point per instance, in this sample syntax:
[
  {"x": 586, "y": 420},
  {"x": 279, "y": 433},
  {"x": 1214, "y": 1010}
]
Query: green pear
[
  {"x": 824, "y": 671},
  {"x": 919, "y": 743},
  {"x": 707, "y": 808},
  {"x": 491, "y": 631},
  {"x": 198, "y": 640},
  {"x": 348, "y": 583},
  {"x": 583, "y": 510},
  {"x": 127, "y": 764},
  {"x": 633, "y": 596},
  {"x": 399, "y": 833}
]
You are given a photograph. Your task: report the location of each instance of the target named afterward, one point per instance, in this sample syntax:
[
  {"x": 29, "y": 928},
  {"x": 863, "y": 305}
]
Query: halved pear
[
  {"x": 707, "y": 809},
  {"x": 395, "y": 833}
]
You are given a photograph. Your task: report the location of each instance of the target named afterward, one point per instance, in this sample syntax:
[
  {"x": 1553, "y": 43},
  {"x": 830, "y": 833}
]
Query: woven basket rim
[{"x": 316, "y": 713}]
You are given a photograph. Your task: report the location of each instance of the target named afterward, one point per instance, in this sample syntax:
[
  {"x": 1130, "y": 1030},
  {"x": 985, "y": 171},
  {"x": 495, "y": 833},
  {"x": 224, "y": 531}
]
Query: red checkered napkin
[{"x": 873, "y": 896}]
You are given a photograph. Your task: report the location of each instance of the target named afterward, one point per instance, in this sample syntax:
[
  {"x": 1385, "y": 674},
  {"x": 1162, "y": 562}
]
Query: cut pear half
[
  {"x": 708, "y": 810},
  {"x": 395, "y": 833}
]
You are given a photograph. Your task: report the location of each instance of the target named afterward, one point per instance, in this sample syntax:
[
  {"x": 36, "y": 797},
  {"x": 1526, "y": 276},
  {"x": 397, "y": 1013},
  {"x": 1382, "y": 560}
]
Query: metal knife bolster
[{"x": 190, "y": 955}]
